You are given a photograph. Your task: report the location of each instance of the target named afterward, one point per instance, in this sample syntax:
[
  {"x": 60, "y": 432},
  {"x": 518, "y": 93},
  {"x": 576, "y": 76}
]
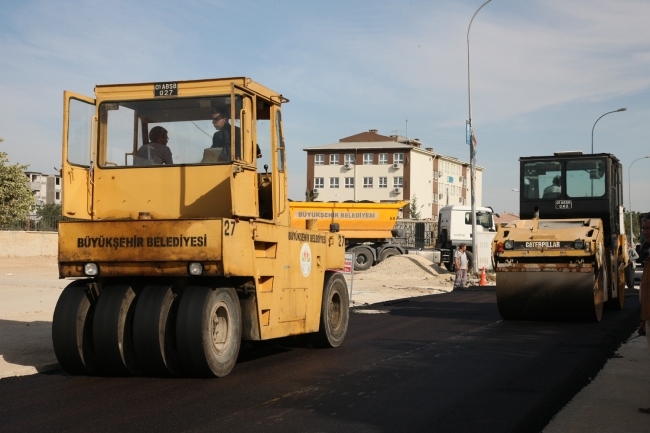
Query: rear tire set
[
  {"x": 335, "y": 312},
  {"x": 155, "y": 332}
]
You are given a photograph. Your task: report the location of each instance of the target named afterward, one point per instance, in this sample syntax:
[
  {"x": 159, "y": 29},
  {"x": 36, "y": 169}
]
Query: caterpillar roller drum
[
  {"x": 565, "y": 258},
  {"x": 179, "y": 240}
]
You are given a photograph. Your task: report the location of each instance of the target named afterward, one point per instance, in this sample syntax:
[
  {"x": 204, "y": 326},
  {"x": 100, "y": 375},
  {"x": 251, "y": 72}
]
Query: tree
[
  {"x": 50, "y": 209},
  {"x": 635, "y": 223},
  {"x": 15, "y": 197},
  {"x": 414, "y": 210}
]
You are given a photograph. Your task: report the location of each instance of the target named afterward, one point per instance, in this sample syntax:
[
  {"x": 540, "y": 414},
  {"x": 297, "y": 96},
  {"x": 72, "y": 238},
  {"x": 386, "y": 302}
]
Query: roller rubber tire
[
  {"x": 335, "y": 312},
  {"x": 113, "y": 331},
  {"x": 363, "y": 258},
  {"x": 629, "y": 276},
  {"x": 618, "y": 303},
  {"x": 388, "y": 252},
  {"x": 154, "y": 331},
  {"x": 208, "y": 330},
  {"x": 72, "y": 335}
]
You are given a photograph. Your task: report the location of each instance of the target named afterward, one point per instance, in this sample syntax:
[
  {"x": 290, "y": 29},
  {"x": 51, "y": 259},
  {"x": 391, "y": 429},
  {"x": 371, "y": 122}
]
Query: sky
[{"x": 542, "y": 73}]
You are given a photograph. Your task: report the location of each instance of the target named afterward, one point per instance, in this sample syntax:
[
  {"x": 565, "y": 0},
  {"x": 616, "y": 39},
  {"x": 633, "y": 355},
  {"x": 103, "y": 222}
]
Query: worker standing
[{"x": 460, "y": 260}]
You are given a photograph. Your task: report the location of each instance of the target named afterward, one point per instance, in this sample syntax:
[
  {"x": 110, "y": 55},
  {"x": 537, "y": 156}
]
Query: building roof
[
  {"x": 362, "y": 145},
  {"x": 371, "y": 139},
  {"x": 368, "y": 136}
]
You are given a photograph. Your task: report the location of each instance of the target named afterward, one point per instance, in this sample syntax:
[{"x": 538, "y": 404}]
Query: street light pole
[
  {"x": 472, "y": 157},
  {"x": 629, "y": 196},
  {"x": 592, "y": 129}
]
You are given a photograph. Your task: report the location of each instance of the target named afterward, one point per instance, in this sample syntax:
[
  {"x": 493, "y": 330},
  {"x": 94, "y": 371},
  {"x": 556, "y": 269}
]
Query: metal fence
[
  {"x": 37, "y": 223},
  {"x": 417, "y": 234}
]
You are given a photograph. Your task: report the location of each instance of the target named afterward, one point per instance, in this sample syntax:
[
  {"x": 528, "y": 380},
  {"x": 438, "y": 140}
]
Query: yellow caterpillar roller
[{"x": 566, "y": 257}]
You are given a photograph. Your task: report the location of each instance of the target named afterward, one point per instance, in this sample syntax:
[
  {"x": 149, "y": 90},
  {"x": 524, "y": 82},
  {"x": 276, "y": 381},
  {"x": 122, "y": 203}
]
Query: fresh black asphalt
[{"x": 440, "y": 363}]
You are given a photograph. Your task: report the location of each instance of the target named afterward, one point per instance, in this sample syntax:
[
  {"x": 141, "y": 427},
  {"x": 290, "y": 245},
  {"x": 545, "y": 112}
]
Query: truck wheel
[
  {"x": 113, "y": 331},
  {"x": 451, "y": 266},
  {"x": 72, "y": 330},
  {"x": 388, "y": 252},
  {"x": 154, "y": 336},
  {"x": 363, "y": 258},
  {"x": 335, "y": 312},
  {"x": 208, "y": 330}
]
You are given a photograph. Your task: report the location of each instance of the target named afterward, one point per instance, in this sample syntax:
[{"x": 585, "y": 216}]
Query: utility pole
[{"x": 472, "y": 150}]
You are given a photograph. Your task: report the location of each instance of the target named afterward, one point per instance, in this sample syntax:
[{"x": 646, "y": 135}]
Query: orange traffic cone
[{"x": 483, "y": 281}]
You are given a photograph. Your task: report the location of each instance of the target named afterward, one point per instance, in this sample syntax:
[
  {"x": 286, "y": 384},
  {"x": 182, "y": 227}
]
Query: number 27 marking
[{"x": 229, "y": 227}]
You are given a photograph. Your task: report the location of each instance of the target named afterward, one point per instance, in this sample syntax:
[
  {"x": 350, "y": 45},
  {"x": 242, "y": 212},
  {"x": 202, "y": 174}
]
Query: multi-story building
[
  {"x": 45, "y": 187},
  {"x": 370, "y": 166}
]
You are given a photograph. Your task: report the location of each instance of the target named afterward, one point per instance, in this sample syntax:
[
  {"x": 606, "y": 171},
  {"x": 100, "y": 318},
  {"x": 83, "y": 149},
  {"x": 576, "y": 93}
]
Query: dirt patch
[
  {"x": 398, "y": 277},
  {"x": 411, "y": 267}
]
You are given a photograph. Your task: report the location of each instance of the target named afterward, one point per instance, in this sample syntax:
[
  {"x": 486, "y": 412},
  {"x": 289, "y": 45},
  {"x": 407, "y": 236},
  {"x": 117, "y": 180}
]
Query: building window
[
  {"x": 383, "y": 158},
  {"x": 398, "y": 182},
  {"x": 334, "y": 182},
  {"x": 34, "y": 177},
  {"x": 334, "y": 159},
  {"x": 383, "y": 182},
  {"x": 367, "y": 182},
  {"x": 349, "y": 182},
  {"x": 58, "y": 195},
  {"x": 349, "y": 158},
  {"x": 319, "y": 182},
  {"x": 319, "y": 159},
  {"x": 57, "y": 180},
  {"x": 398, "y": 158},
  {"x": 367, "y": 158}
]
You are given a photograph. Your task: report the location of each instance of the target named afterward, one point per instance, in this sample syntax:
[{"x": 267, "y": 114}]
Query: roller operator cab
[
  {"x": 567, "y": 255},
  {"x": 181, "y": 241}
]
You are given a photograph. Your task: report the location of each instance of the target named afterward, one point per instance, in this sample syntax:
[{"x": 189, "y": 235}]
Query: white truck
[{"x": 455, "y": 228}]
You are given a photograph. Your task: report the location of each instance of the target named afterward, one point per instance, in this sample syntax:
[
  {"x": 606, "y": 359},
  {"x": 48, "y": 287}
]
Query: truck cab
[{"x": 455, "y": 228}]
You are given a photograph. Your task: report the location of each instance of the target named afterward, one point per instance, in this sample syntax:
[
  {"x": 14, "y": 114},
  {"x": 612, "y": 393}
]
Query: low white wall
[{"x": 28, "y": 244}]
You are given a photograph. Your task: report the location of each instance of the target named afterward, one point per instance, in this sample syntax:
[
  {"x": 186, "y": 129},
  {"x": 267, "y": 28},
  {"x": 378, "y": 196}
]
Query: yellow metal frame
[{"x": 199, "y": 213}]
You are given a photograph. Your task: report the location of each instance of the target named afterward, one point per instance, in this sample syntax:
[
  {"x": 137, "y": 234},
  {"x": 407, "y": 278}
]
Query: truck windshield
[
  {"x": 482, "y": 218},
  {"x": 169, "y": 132},
  {"x": 585, "y": 178}
]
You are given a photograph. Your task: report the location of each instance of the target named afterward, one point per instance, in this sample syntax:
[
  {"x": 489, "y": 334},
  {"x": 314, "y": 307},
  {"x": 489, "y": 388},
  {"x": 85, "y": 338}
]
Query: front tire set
[{"x": 154, "y": 332}]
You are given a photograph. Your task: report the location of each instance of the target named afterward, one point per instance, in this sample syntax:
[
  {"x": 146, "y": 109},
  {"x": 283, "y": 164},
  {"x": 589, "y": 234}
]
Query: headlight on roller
[
  {"x": 588, "y": 246},
  {"x": 509, "y": 244},
  {"x": 579, "y": 244},
  {"x": 91, "y": 269},
  {"x": 195, "y": 268}
]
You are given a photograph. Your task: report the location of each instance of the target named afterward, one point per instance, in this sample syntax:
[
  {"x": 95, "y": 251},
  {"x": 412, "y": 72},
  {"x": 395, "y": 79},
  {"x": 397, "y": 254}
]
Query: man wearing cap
[{"x": 222, "y": 138}]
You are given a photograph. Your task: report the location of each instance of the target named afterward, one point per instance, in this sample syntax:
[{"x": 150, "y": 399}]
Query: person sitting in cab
[{"x": 156, "y": 151}]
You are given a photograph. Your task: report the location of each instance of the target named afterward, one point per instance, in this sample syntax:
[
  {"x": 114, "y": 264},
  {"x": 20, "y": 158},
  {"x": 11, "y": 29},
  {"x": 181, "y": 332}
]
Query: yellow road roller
[
  {"x": 566, "y": 257},
  {"x": 180, "y": 243}
]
